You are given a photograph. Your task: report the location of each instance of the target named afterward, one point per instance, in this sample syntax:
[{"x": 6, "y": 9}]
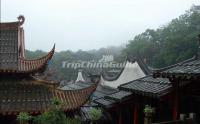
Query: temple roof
[
  {"x": 21, "y": 90},
  {"x": 185, "y": 70},
  {"x": 33, "y": 96},
  {"x": 80, "y": 76},
  {"x": 102, "y": 91},
  {"x": 156, "y": 85},
  {"x": 189, "y": 69},
  {"x": 12, "y": 50},
  {"x": 143, "y": 86},
  {"x": 148, "y": 86},
  {"x": 13, "y": 25},
  {"x": 132, "y": 71}
]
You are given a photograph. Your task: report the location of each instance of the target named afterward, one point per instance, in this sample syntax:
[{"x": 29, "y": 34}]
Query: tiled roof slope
[
  {"x": 185, "y": 70},
  {"x": 30, "y": 95},
  {"x": 148, "y": 86},
  {"x": 12, "y": 50},
  {"x": 189, "y": 69},
  {"x": 145, "y": 86},
  {"x": 111, "y": 99},
  {"x": 8, "y": 49}
]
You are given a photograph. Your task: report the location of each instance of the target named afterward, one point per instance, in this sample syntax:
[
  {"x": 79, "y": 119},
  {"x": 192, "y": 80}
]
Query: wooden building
[
  {"x": 172, "y": 91},
  {"x": 20, "y": 90},
  {"x": 185, "y": 78}
]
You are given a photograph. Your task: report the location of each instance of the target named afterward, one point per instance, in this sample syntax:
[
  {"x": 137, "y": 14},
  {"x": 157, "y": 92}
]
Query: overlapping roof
[
  {"x": 154, "y": 85},
  {"x": 20, "y": 90},
  {"x": 12, "y": 50},
  {"x": 186, "y": 70},
  {"x": 144, "y": 86},
  {"x": 33, "y": 96},
  {"x": 189, "y": 69},
  {"x": 148, "y": 86},
  {"x": 133, "y": 70}
]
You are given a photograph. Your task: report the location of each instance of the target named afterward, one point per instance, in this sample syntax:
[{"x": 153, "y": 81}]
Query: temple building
[
  {"x": 21, "y": 90},
  {"x": 173, "y": 91},
  {"x": 132, "y": 71}
]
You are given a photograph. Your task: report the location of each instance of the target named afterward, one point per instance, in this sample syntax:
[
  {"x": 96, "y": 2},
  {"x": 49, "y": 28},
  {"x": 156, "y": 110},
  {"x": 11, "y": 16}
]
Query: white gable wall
[
  {"x": 132, "y": 71},
  {"x": 80, "y": 77}
]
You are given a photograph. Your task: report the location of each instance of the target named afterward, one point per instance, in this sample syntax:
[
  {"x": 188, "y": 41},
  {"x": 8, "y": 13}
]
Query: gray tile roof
[
  {"x": 111, "y": 99},
  {"x": 102, "y": 91},
  {"x": 148, "y": 86},
  {"x": 76, "y": 86},
  {"x": 119, "y": 95},
  {"x": 8, "y": 49},
  {"x": 184, "y": 70},
  {"x": 192, "y": 67},
  {"x": 104, "y": 102}
]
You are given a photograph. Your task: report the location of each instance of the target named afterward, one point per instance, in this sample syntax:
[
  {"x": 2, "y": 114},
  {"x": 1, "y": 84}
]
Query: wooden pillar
[
  {"x": 120, "y": 117},
  {"x": 135, "y": 114},
  {"x": 175, "y": 106}
]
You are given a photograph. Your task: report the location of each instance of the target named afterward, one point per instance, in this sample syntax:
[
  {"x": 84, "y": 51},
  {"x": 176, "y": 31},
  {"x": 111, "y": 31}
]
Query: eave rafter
[
  {"x": 71, "y": 99},
  {"x": 31, "y": 66}
]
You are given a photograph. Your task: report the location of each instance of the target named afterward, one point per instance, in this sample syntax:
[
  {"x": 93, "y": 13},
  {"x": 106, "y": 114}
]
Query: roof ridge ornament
[{"x": 21, "y": 19}]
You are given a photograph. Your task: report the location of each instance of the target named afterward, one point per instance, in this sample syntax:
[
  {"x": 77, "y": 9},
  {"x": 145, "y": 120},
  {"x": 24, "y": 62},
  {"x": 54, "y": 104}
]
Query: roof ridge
[{"x": 170, "y": 66}]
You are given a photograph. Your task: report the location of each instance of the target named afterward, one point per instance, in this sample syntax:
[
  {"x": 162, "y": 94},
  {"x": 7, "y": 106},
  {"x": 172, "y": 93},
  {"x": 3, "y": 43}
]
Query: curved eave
[
  {"x": 161, "y": 72},
  {"x": 38, "y": 98},
  {"x": 116, "y": 77},
  {"x": 141, "y": 64},
  {"x": 31, "y": 66},
  {"x": 37, "y": 65},
  {"x": 71, "y": 99}
]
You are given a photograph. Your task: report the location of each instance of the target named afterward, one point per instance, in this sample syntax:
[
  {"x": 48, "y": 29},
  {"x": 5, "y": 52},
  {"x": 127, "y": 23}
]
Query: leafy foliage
[
  {"x": 55, "y": 115},
  {"x": 23, "y": 117},
  {"x": 169, "y": 44},
  {"x": 70, "y": 56},
  {"x": 148, "y": 109},
  {"x": 95, "y": 114},
  {"x": 51, "y": 117}
]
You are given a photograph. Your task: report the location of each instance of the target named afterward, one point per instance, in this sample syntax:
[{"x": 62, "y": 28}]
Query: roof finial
[{"x": 21, "y": 19}]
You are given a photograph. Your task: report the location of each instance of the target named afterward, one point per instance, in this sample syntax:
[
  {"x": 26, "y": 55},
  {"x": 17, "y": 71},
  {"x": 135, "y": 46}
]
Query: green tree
[
  {"x": 94, "y": 114},
  {"x": 55, "y": 115},
  {"x": 168, "y": 44},
  {"x": 23, "y": 118}
]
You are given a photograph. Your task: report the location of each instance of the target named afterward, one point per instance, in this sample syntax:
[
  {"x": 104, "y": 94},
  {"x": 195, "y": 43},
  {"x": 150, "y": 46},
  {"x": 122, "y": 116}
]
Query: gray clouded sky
[{"x": 89, "y": 24}]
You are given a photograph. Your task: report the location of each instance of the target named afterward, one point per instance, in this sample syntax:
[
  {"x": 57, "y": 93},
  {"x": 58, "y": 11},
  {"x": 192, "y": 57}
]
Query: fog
[{"x": 89, "y": 24}]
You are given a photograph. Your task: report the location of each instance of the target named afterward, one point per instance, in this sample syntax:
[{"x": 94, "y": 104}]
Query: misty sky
[{"x": 89, "y": 24}]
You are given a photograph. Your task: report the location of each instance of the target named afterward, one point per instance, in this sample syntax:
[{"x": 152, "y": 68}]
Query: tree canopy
[{"x": 168, "y": 44}]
